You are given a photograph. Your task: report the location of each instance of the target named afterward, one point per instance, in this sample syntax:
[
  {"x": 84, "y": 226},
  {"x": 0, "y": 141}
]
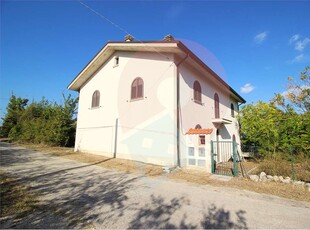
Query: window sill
[
  {"x": 97, "y": 107},
  {"x": 198, "y": 102},
  {"x": 137, "y": 99}
]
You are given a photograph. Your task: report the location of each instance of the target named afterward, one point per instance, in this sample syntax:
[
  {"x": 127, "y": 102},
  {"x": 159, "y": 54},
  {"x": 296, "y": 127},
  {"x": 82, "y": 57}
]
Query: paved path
[{"x": 77, "y": 195}]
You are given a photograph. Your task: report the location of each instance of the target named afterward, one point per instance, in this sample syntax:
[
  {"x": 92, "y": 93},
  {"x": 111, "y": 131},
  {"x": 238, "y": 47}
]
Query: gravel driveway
[{"x": 78, "y": 195}]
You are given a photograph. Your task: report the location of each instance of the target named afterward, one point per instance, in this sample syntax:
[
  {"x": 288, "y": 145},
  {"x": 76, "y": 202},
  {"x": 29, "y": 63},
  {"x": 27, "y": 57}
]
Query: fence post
[
  {"x": 212, "y": 157},
  {"x": 235, "y": 158},
  {"x": 292, "y": 162}
]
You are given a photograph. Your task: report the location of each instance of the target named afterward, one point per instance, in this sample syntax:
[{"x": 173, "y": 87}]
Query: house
[{"x": 155, "y": 102}]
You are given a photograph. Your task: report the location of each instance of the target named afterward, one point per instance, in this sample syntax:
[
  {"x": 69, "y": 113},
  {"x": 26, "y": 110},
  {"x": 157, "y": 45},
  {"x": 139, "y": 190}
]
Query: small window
[
  {"x": 191, "y": 161},
  {"x": 137, "y": 89},
  {"x": 191, "y": 151},
  {"x": 201, "y": 163},
  {"x": 216, "y": 106},
  {"x": 95, "y": 99},
  {"x": 202, "y": 152},
  {"x": 197, "y": 92},
  {"x": 202, "y": 139},
  {"x": 232, "y": 110},
  {"x": 198, "y": 126},
  {"x": 116, "y": 61}
]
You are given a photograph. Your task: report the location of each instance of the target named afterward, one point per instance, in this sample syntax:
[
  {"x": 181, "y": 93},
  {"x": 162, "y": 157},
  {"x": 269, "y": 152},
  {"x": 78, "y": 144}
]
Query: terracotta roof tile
[{"x": 199, "y": 131}]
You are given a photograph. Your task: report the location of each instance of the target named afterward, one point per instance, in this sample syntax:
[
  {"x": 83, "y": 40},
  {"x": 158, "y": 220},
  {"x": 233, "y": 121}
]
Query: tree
[
  {"x": 14, "y": 110},
  {"x": 42, "y": 122},
  {"x": 296, "y": 104},
  {"x": 297, "y": 95},
  {"x": 259, "y": 125},
  {"x": 285, "y": 121}
]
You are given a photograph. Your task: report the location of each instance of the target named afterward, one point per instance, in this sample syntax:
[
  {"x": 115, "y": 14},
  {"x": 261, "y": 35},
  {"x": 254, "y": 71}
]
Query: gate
[{"x": 224, "y": 158}]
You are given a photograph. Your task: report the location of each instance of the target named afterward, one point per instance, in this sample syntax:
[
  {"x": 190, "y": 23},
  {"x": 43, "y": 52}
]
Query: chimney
[
  {"x": 168, "y": 38},
  {"x": 128, "y": 38}
]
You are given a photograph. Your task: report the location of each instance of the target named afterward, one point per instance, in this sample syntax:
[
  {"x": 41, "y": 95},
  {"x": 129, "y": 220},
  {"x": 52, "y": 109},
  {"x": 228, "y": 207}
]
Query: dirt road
[{"x": 78, "y": 195}]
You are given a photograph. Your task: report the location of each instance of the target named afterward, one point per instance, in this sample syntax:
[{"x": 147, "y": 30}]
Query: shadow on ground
[
  {"x": 160, "y": 214},
  {"x": 79, "y": 196}
]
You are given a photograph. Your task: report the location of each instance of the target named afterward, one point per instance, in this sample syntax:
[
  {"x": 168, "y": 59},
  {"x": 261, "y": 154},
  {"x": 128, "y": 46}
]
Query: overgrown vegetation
[
  {"x": 279, "y": 127},
  {"x": 283, "y": 122},
  {"x": 283, "y": 168},
  {"x": 40, "y": 122}
]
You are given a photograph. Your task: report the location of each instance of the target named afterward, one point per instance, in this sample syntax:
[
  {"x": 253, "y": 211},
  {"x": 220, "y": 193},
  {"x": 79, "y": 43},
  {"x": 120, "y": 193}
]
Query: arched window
[
  {"x": 197, "y": 92},
  {"x": 95, "y": 102},
  {"x": 216, "y": 106},
  {"x": 198, "y": 126},
  {"x": 232, "y": 109},
  {"x": 137, "y": 88}
]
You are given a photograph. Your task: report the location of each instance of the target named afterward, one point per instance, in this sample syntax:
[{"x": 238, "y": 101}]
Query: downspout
[
  {"x": 178, "y": 110},
  {"x": 239, "y": 126}
]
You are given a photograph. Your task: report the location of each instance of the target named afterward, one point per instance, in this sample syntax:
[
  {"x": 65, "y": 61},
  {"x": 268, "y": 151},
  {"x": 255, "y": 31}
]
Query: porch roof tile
[{"x": 199, "y": 131}]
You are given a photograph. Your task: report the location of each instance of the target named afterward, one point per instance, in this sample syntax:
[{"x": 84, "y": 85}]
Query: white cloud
[
  {"x": 259, "y": 38},
  {"x": 294, "y": 38},
  {"x": 300, "y": 45},
  {"x": 299, "y": 58},
  {"x": 295, "y": 90},
  {"x": 247, "y": 88}
]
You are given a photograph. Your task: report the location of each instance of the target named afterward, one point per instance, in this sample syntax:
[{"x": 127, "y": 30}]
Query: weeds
[
  {"x": 283, "y": 168},
  {"x": 15, "y": 199}
]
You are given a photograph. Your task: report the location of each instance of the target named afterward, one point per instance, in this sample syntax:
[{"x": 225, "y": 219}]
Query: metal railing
[{"x": 224, "y": 158}]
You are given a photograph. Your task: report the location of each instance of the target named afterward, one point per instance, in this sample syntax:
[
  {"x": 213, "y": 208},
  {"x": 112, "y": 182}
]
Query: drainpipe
[
  {"x": 178, "y": 109},
  {"x": 239, "y": 104}
]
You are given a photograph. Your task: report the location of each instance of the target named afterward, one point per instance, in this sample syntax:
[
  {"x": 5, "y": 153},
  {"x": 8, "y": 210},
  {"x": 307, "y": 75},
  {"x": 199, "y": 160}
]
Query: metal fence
[{"x": 224, "y": 158}]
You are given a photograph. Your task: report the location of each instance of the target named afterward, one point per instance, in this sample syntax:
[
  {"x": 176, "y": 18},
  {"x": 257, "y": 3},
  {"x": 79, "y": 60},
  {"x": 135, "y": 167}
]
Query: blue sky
[{"x": 253, "y": 45}]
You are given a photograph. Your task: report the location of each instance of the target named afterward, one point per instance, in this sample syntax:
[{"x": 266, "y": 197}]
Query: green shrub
[{"x": 42, "y": 122}]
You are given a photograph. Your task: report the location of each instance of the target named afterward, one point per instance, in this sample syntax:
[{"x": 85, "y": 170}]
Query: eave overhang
[
  {"x": 105, "y": 53},
  {"x": 175, "y": 47}
]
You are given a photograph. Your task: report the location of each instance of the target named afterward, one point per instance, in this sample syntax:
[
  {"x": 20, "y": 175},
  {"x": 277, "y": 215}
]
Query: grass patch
[
  {"x": 15, "y": 199},
  {"x": 279, "y": 167}
]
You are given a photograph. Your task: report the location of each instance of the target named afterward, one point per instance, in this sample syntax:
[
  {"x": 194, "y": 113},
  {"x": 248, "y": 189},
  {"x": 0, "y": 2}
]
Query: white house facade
[{"x": 154, "y": 102}]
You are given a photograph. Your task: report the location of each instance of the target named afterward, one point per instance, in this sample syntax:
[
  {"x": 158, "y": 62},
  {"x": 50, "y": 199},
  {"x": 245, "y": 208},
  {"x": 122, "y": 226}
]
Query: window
[
  {"x": 198, "y": 126},
  {"x": 137, "y": 89},
  {"x": 216, "y": 106},
  {"x": 202, "y": 140},
  {"x": 95, "y": 102},
  {"x": 197, "y": 92},
  {"x": 232, "y": 110},
  {"x": 202, "y": 152},
  {"x": 116, "y": 61},
  {"x": 191, "y": 151}
]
